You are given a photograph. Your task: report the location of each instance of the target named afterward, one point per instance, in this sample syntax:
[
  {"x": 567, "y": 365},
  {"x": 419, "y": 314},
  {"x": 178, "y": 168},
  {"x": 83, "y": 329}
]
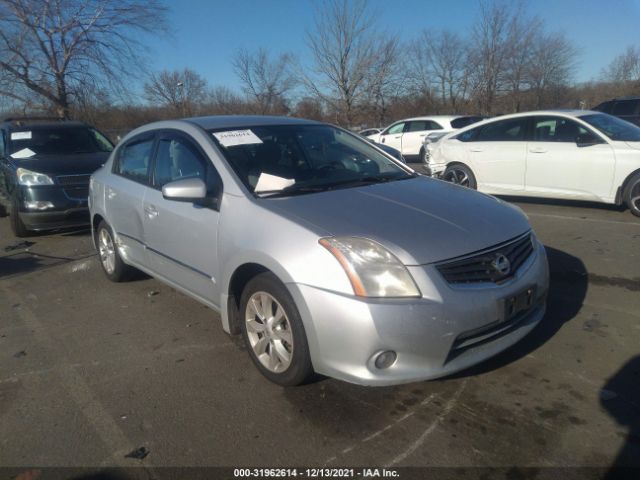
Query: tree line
[{"x": 79, "y": 58}]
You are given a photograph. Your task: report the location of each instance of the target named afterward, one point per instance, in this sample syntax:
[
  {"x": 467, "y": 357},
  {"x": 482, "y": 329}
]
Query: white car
[
  {"x": 408, "y": 135},
  {"x": 569, "y": 154}
]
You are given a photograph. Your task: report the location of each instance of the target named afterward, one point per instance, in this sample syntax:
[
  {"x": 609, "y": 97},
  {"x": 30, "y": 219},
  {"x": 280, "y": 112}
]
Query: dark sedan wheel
[
  {"x": 17, "y": 226},
  {"x": 273, "y": 332},
  {"x": 460, "y": 175},
  {"x": 632, "y": 195}
]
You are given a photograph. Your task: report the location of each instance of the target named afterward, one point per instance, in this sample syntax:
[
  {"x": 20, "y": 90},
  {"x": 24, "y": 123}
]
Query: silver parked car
[{"x": 327, "y": 254}]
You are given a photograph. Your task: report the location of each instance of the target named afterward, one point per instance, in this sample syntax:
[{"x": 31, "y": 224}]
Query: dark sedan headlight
[{"x": 29, "y": 178}]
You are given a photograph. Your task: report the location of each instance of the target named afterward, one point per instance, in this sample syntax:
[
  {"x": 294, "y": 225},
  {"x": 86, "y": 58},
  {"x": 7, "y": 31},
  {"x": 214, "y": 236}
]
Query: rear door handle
[
  {"x": 111, "y": 193},
  {"x": 537, "y": 150},
  {"x": 150, "y": 211},
  {"x": 477, "y": 150}
]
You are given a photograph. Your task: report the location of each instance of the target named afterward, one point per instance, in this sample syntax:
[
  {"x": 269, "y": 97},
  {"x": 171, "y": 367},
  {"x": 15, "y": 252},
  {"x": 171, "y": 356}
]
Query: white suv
[
  {"x": 578, "y": 154},
  {"x": 409, "y": 135}
]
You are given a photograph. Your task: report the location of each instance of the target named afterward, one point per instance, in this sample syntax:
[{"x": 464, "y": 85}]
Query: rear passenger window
[
  {"x": 134, "y": 160},
  {"x": 176, "y": 160},
  {"x": 511, "y": 130}
]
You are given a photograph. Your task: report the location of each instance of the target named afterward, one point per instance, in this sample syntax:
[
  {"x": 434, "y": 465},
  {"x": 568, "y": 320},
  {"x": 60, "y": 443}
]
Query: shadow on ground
[
  {"x": 620, "y": 397},
  {"x": 567, "y": 291}
]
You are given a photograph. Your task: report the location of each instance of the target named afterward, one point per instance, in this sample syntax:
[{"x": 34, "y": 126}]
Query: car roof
[
  {"x": 235, "y": 121},
  {"x": 434, "y": 117},
  {"x": 562, "y": 112},
  {"x": 37, "y": 123}
]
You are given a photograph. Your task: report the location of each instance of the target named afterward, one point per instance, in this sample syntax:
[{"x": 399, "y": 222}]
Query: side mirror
[
  {"x": 587, "y": 140},
  {"x": 185, "y": 190}
]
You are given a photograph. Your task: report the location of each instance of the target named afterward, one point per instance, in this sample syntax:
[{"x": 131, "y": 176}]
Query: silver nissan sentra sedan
[{"x": 324, "y": 252}]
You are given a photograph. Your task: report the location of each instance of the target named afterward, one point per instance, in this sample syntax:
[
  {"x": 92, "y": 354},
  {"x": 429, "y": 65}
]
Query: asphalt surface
[{"x": 91, "y": 370}]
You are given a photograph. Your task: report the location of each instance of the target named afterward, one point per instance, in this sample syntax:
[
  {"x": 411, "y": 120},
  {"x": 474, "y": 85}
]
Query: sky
[{"x": 207, "y": 33}]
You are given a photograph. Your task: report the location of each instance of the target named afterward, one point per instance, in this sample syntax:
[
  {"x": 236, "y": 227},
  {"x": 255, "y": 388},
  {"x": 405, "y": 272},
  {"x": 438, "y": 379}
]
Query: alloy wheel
[
  {"x": 635, "y": 196},
  {"x": 107, "y": 251},
  {"x": 269, "y": 332},
  {"x": 458, "y": 177}
]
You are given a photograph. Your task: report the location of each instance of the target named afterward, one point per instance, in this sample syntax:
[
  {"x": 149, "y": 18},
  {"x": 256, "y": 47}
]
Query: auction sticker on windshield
[
  {"x": 20, "y": 135},
  {"x": 237, "y": 137}
]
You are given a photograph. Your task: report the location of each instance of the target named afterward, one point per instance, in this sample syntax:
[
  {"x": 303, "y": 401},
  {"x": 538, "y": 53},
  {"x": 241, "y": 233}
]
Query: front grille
[
  {"x": 481, "y": 267},
  {"x": 73, "y": 179},
  {"x": 77, "y": 193}
]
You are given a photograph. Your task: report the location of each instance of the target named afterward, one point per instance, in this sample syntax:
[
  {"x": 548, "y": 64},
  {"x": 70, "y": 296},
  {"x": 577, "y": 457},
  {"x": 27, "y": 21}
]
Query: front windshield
[
  {"x": 57, "y": 141},
  {"x": 303, "y": 158},
  {"x": 613, "y": 127}
]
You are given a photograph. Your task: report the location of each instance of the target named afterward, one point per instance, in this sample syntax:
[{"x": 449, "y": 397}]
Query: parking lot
[{"x": 91, "y": 370}]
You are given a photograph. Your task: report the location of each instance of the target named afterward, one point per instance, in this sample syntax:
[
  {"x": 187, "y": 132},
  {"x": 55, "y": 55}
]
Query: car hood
[
  {"x": 420, "y": 220},
  {"x": 75, "y": 164}
]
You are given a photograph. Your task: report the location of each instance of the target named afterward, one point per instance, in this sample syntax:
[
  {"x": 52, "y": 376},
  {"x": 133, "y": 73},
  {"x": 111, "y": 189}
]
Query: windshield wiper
[{"x": 302, "y": 189}]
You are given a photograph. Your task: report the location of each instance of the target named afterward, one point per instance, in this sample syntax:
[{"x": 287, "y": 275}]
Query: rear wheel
[
  {"x": 273, "y": 332},
  {"x": 632, "y": 195},
  {"x": 460, "y": 175},
  {"x": 110, "y": 260},
  {"x": 17, "y": 226}
]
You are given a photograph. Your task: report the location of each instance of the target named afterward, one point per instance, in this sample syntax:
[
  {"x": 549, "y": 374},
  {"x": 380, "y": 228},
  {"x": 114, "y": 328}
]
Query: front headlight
[
  {"x": 29, "y": 178},
  {"x": 372, "y": 270}
]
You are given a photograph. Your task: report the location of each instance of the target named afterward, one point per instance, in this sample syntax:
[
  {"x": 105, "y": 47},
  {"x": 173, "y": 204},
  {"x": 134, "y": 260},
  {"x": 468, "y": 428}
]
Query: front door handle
[
  {"x": 150, "y": 211},
  {"x": 537, "y": 150},
  {"x": 477, "y": 150}
]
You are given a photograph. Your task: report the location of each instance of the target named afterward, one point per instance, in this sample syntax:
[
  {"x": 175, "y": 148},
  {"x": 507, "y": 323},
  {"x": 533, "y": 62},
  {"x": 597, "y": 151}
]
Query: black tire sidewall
[
  {"x": 17, "y": 226},
  {"x": 472, "y": 178},
  {"x": 121, "y": 269},
  {"x": 633, "y": 183},
  {"x": 300, "y": 370}
]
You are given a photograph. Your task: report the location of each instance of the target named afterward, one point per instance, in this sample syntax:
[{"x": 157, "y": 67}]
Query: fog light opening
[
  {"x": 38, "y": 205},
  {"x": 385, "y": 359}
]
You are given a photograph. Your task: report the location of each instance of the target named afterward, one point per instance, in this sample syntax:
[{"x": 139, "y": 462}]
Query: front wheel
[
  {"x": 110, "y": 260},
  {"x": 17, "y": 225},
  {"x": 273, "y": 332},
  {"x": 632, "y": 195},
  {"x": 460, "y": 175}
]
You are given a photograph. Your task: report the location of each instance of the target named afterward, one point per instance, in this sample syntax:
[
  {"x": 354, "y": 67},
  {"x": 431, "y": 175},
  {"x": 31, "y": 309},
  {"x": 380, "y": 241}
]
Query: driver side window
[
  {"x": 556, "y": 129},
  {"x": 177, "y": 159}
]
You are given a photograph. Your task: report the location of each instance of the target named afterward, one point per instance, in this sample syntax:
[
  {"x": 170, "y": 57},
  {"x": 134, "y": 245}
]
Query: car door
[
  {"x": 414, "y": 133},
  {"x": 497, "y": 152},
  {"x": 562, "y": 163},
  {"x": 182, "y": 237},
  {"x": 125, "y": 192},
  {"x": 392, "y": 136}
]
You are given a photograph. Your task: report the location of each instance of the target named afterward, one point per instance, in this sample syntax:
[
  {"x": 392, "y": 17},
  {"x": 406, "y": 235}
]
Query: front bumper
[
  {"x": 70, "y": 207},
  {"x": 432, "y": 336}
]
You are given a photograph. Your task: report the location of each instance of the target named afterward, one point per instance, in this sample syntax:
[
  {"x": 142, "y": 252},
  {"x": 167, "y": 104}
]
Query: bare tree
[
  {"x": 345, "y": 48},
  {"x": 489, "y": 57},
  {"x": 625, "y": 67},
  {"x": 524, "y": 34},
  {"x": 551, "y": 67},
  {"x": 52, "y": 48},
  {"x": 266, "y": 81},
  {"x": 182, "y": 91},
  {"x": 440, "y": 61}
]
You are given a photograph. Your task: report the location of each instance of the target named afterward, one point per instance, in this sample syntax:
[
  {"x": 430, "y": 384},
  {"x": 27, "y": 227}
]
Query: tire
[
  {"x": 423, "y": 156},
  {"x": 112, "y": 264},
  {"x": 460, "y": 175},
  {"x": 273, "y": 331},
  {"x": 632, "y": 195},
  {"x": 17, "y": 226}
]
